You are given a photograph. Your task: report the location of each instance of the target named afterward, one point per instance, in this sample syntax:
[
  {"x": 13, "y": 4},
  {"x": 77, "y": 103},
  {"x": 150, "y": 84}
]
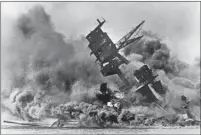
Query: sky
[{"x": 178, "y": 23}]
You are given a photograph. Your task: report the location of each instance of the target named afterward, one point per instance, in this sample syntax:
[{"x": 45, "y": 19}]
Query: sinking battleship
[{"x": 108, "y": 56}]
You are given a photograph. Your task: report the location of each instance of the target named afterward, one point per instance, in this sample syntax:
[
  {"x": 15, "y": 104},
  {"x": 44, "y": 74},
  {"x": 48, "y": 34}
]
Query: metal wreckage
[
  {"x": 108, "y": 56},
  {"x": 110, "y": 60},
  {"x": 110, "y": 104}
]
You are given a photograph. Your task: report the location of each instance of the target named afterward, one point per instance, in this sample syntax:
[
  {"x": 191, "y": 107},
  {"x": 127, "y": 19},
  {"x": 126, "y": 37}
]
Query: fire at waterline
[{"x": 109, "y": 106}]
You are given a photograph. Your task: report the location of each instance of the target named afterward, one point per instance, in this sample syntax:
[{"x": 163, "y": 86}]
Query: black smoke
[
  {"x": 43, "y": 67},
  {"x": 156, "y": 54}
]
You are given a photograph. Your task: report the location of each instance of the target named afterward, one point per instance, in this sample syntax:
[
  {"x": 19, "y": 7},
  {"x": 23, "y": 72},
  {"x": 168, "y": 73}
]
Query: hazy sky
[{"x": 177, "y": 22}]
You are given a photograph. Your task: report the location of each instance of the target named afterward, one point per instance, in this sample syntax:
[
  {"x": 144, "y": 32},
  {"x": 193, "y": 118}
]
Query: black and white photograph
[{"x": 100, "y": 67}]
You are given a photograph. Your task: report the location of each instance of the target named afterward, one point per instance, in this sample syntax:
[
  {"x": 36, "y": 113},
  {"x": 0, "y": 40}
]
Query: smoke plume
[
  {"x": 178, "y": 78},
  {"x": 45, "y": 74},
  {"x": 43, "y": 67},
  {"x": 156, "y": 54}
]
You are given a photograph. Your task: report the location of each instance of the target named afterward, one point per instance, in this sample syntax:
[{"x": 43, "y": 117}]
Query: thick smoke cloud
[
  {"x": 43, "y": 66},
  {"x": 156, "y": 54},
  {"x": 177, "y": 76},
  {"x": 42, "y": 70}
]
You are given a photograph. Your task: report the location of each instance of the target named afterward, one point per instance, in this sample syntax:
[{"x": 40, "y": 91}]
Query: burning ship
[
  {"x": 108, "y": 56},
  {"x": 110, "y": 60}
]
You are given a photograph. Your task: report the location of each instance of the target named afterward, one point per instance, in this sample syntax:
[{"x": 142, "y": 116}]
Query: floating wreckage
[{"x": 108, "y": 56}]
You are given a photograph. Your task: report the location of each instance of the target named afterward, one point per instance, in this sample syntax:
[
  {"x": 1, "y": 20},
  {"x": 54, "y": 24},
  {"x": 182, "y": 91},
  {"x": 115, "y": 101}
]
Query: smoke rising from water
[
  {"x": 42, "y": 70},
  {"x": 42, "y": 65}
]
